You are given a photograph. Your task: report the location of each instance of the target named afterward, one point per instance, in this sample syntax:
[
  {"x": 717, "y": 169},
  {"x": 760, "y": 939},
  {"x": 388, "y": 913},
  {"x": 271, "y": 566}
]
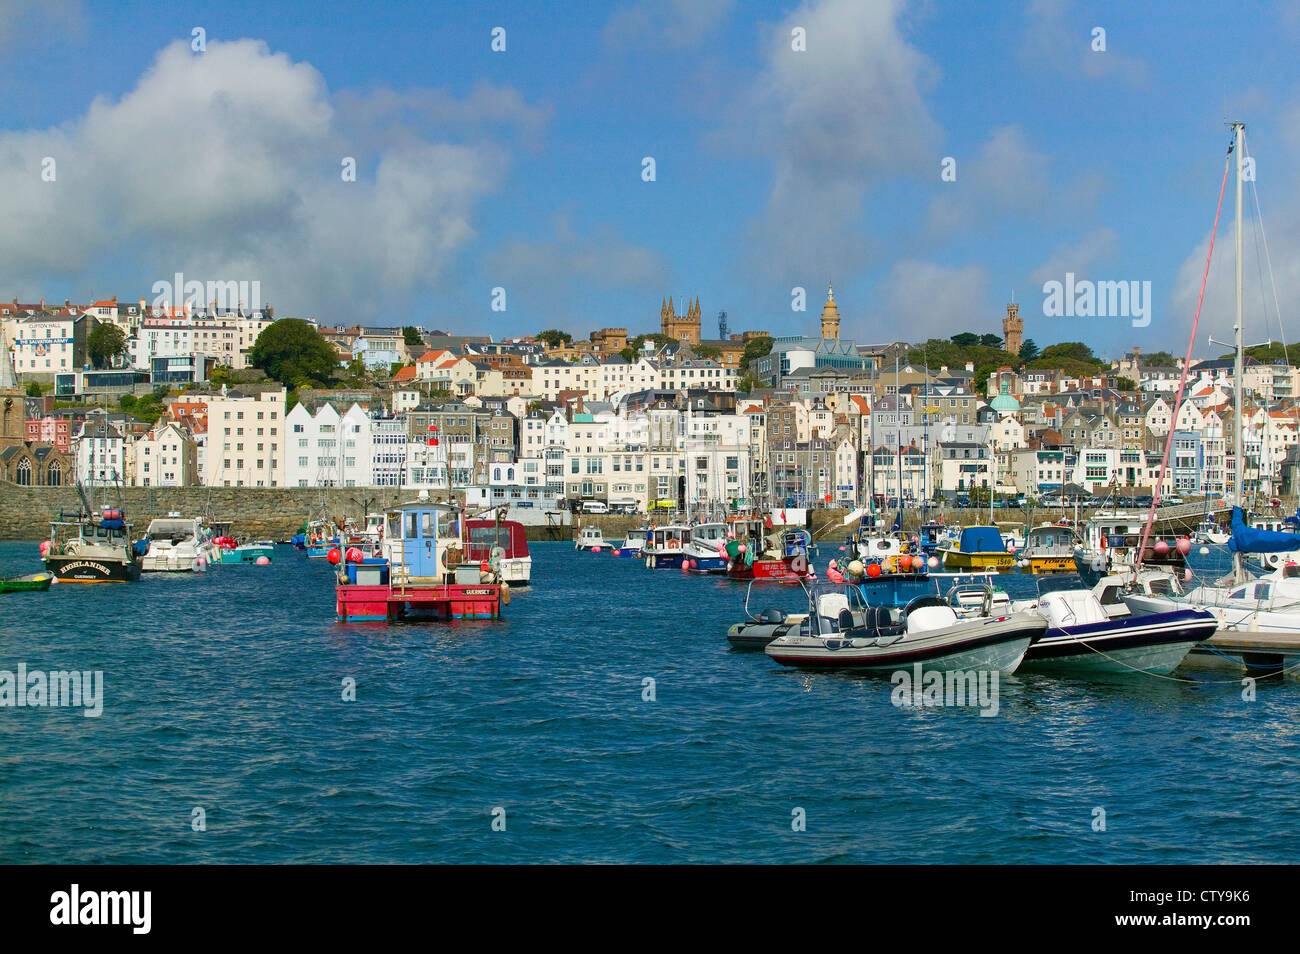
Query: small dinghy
[
  {"x": 32, "y": 582},
  {"x": 842, "y": 631}
]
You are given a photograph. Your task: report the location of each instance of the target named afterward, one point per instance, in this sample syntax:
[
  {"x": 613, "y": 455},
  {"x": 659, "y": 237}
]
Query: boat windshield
[{"x": 166, "y": 529}]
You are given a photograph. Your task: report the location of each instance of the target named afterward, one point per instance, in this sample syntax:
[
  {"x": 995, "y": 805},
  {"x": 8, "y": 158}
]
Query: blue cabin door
[{"x": 420, "y": 542}]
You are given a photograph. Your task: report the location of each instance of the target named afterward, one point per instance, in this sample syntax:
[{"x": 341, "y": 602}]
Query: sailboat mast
[{"x": 1239, "y": 401}]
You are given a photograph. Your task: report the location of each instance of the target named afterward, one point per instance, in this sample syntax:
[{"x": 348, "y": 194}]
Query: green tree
[
  {"x": 220, "y": 375},
  {"x": 104, "y": 343},
  {"x": 628, "y": 354},
  {"x": 965, "y": 340},
  {"x": 127, "y": 402},
  {"x": 554, "y": 337},
  {"x": 411, "y": 335},
  {"x": 755, "y": 348},
  {"x": 1163, "y": 359},
  {"x": 33, "y": 390},
  {"x": 1071, "y": 351},
  {"x": 293, "y": 352},
  {"x": 745, "y": 382},
  {"x": 711, "y": 352},
  {"x": 1126, "y": 384},
  {"x": 991, "y": 341},
  {"x": 1028, "y": 350}
]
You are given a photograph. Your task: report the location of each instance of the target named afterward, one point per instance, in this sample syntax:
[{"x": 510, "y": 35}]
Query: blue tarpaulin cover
[
  {"x": 982, "y": 540},
  {"x": 1251, "y": 540}
]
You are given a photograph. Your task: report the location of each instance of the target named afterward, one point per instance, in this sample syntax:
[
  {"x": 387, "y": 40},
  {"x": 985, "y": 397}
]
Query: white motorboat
[
  {"x": 632, "y": 544},
  {"x": 706, "y": 548},
  {"x": 178, "y": 545},
  {"x": 590, "y": 538},
  {"x": 842, "y": 631},
  {"x": 1083, "y": 637}
]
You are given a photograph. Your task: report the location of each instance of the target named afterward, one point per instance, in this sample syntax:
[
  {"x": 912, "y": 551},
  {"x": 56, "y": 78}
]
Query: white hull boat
[{"x": 927, "y": 632}]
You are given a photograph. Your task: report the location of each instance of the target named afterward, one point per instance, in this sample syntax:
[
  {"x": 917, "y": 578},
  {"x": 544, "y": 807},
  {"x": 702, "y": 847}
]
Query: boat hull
[
  {"x": 772, "y": 571},
  {"x": 756, "y": 636},
  {"x": 988, "y": 645},
  {"x": 32, "y": 583},
  {"x": 1156, "y": 643},
  {"x": 667, "y": 560},
  {"x": 1050, "y": 564},
  {"x": 384, "y": 603},
  {"x": 87, "y": 569},
  {"x": 956, "y": 560}
]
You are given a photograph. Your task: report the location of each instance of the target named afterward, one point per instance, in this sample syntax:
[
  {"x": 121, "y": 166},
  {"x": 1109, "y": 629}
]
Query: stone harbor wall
[{"x": 277, "y": 513}]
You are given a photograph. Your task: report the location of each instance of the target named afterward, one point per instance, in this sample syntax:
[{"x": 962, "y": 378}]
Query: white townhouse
[
  {"x": 328, "y": 449},
  {"x": 100, "y": 449},
  {"x": 165, "y": 457},
  {"x": 43, "y": 345},
  {"x": 246, "y": 444}
]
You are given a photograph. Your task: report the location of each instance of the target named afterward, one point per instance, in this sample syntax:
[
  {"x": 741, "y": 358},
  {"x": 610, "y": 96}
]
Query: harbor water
[{"x": 605, "y": 719}]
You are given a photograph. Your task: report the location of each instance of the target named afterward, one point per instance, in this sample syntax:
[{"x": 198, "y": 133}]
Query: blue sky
[{"x": 775, "y": 168}]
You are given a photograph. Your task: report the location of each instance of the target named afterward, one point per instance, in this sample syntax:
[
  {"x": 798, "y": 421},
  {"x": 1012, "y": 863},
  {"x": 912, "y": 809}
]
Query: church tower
[
  {"x": 830, "y": 317},
  {"x": 1013, "y": 327},
  {"x": 681, "y": 327}
]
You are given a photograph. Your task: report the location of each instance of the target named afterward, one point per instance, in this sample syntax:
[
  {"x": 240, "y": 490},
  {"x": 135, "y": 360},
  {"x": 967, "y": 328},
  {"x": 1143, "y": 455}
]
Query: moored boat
[
  {"x": 178, "y": 545},
  {"x": 706, "y": 550},
  {"x": 978, "y": 548},
  {"x": 257, "y": 551},
  {"x": 92, "y": 547},
  {"x": 1049, "y": 548},
  {"x": 28, "y": 583},
  {"x": 423, "y": 573},
  {"x": 758, "y": 551},
  {"x": 1083, "y": 637},
  {"x": 504, "y": 545},
  {"x": 843, "y": 632},
  {"x": 665, "y": 547},
  {"x": 590, "y": 538},
  {"x": 632, "y": 543}
]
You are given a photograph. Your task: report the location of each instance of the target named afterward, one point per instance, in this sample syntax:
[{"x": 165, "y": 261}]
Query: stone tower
[
  {"x": 830, "y": 316},
  {"x": 1013, "y": 327},
  {"x": 681, "y": 327}
]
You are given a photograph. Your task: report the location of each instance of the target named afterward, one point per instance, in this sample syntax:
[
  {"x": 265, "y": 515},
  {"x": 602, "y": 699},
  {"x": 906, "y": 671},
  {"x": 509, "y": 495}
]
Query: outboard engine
[{"x": 772, "y": 615}]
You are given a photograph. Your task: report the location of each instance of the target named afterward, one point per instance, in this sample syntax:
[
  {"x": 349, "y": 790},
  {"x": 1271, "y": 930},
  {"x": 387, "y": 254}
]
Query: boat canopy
[
  {"x": 1251, "y": 540},
  {"x": 982, "y": 540},
  {"x": 486, "y": 534}
]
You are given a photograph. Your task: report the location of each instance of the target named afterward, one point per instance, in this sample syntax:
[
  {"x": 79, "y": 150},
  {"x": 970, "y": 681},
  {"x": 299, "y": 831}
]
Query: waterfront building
[{"x": 246, "y": 439}]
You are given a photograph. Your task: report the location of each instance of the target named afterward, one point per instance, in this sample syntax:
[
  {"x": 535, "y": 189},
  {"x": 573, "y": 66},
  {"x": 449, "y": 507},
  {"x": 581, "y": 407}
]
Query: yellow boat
[
  {"x": 978, "y": 548},
  {"x": 1049, "y": 548}
]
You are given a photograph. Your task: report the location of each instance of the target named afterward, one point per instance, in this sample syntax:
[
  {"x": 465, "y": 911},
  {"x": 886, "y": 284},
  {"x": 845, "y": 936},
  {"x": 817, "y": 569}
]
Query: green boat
[{"x": 23, "y": 584}]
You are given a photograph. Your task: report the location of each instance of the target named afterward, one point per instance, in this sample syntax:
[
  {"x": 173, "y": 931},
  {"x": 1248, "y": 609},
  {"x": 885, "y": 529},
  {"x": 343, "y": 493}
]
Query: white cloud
[
  {"x": 920, "y": 300},
  {"x": 674, "y": 23},
  {"x": 835, "y": 121},
  {"x": 226, "y": 165},
  {"x": 1078, "y": 257},
  {"x": 1059, "y": 41},
  {"x": 1007, "y": 174},
  {"x": 546, "y": 274}
]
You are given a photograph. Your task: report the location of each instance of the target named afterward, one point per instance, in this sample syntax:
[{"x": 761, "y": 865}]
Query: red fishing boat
[
  {"x": 759, "y": 551},
  {"x": 423, "y": 572}
]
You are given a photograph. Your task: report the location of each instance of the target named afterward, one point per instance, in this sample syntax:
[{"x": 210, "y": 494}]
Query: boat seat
[{"x": 887, "y": 623}]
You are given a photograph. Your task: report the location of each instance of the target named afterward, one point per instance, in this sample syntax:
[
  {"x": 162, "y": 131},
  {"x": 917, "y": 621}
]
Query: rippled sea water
[{"x": 224, "y": 691}]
